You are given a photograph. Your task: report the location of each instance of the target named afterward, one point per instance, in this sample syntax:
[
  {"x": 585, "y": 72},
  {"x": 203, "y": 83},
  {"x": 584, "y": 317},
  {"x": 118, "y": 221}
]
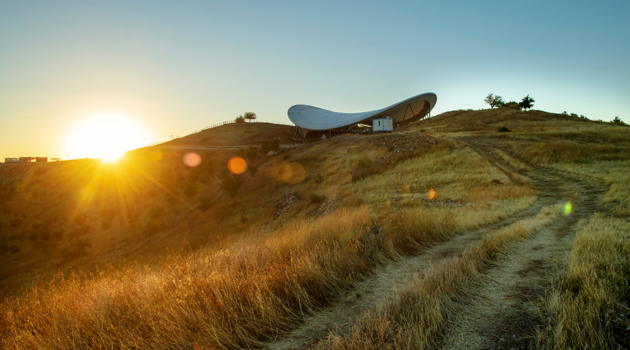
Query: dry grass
[
  {"x": 452, "y": 170},
  {"x": 591, "y": 291},
  {"x": 602, "y": 162},
  {"x": 247, "y": 287},
  {"x": 415, "y": 318}
]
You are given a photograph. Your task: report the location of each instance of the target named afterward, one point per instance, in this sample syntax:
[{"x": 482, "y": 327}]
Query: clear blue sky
[{"x": 177, "y": 66}]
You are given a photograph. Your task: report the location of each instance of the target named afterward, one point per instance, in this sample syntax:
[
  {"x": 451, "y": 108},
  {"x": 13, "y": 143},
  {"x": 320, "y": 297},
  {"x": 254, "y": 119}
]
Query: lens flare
[
  {"x": 568, "y": 208},
  {"x": 192, "y": 159},
  {"x": 431, "y": 193},
  {"x": 237, "y": 165}
]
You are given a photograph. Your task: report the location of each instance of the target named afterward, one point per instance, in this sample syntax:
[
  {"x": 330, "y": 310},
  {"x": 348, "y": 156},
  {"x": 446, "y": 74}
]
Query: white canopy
[{"x": 314, "y": 118}]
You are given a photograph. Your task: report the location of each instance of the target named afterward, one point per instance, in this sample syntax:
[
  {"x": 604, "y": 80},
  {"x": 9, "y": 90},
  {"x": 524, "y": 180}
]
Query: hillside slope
[{"x": 167, "y": 258}]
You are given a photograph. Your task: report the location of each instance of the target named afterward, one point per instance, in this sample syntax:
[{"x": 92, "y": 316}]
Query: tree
[
  {"x": 494, "y": 100},
  {"x": 240, "y": 119},
  {"x": 231, "y": 183},
  {"x": 249, "y": 116},
  {"x": 527, "y": 103},
  {"x": 617, "y": 120}
]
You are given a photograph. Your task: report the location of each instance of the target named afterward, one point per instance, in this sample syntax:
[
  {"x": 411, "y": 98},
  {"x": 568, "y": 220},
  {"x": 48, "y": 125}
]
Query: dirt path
[
  {"x": 502, "y": 311},
  {"x": 519, "y": 279}
]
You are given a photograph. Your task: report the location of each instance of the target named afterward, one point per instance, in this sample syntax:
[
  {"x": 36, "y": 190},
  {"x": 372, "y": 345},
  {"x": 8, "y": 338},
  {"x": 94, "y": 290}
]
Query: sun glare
[{"x": 107, "y": 137}]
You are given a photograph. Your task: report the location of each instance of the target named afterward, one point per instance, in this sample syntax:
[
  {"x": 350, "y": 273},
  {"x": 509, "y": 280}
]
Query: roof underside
[{"x": 314, "y": 118}]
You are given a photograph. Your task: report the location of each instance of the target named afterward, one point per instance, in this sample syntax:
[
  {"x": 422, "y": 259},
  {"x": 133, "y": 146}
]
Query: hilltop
[
  {"x": 236, "y": 133},
  {"x": 392, "y": 233}
]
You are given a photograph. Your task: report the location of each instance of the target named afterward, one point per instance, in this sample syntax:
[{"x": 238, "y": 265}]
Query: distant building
[
  {"x": 382, "y": 124},
  {"x": 11, "y": 160},
  {"x": 310, "y": 119},
  {"x": 55, "y": 159},
  {"x": 41, "y": 159},
  {"x": 26, "y": 159}
]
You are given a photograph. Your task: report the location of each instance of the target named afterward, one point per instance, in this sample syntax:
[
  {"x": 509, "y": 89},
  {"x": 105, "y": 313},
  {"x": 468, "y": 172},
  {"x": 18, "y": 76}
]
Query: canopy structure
[{"x": 309, "y": 118}]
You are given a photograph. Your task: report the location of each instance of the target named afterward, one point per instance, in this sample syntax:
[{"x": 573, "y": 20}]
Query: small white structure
[
  {"x": 382, "y": 124},
  {"x": 11, "y": 160}
]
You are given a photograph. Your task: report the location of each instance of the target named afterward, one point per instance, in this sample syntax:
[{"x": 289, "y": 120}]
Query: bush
[
  {"x": 365, "y": 161},
  {"x": 240, "y": 119},
  {"x": 574, "y": 115},
  {"x": 243, "y": 219},
  {"x": 319, "y": 179},
  {"x": 205, "y": 203},
  {"x": 504, "y": 129},
  {"x": 513, "y": 105},
  {"x": 617, "y": 121}
]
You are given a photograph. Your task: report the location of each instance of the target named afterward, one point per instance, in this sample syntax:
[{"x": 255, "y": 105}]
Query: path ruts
[{"x": 554, "y": 187}]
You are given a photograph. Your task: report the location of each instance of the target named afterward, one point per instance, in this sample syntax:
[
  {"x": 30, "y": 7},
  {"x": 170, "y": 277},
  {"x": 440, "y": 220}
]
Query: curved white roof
[{"x": 314, "y": 118}]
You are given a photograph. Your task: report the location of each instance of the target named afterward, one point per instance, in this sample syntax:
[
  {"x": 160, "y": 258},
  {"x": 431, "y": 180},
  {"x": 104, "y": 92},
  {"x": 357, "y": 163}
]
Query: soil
[{"x": 501, "y": 312}]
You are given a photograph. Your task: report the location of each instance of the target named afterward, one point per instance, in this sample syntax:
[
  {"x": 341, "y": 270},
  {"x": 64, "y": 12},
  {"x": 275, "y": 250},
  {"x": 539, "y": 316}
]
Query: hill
[
  {"x": 394, "y": 232},
  {"x": 236, "y": 133}
]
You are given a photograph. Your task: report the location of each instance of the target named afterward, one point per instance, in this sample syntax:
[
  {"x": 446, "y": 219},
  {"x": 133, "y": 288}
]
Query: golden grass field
[{"x": 122, "y": 256}]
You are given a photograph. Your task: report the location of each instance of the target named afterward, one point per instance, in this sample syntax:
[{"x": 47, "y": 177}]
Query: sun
[{"x": 107, "y": 137}]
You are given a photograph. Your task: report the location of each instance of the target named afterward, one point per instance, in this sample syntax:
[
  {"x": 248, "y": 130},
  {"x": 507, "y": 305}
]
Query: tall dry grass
[
  {"x": 417, "y": 316},
  {"x": 591, "y": 291},
  {"x": 239, "y": 297},
  {"x": 453, "y": 171},
  {"x": 601, "y": 162}
]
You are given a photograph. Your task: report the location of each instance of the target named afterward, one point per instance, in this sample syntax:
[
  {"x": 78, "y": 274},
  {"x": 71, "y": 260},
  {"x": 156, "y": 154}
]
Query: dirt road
[{"x": 501, "y": 312}]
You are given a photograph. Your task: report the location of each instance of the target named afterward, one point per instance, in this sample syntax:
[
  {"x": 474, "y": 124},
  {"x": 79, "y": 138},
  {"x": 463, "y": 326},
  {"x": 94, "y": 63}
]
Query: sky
[{"x": 173, "y": 67}]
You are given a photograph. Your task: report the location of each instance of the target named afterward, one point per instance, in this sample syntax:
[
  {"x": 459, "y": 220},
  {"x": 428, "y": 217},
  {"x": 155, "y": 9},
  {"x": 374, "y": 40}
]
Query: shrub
[
  {"x": 618, "y": 121},
  {"x": 513, "y": 105},
  {"x": 504, "y": 129},
  {"x": 243, "y": 219},
  {"x": 240, "y": 119},
  {"x": 365, "y": 161},
  {"x": 319, "y": 179},
  {"x": 574, "y": 115}
]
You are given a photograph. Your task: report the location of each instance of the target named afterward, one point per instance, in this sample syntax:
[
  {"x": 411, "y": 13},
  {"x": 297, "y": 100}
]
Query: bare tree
[{"x": 494, "y": 100}]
